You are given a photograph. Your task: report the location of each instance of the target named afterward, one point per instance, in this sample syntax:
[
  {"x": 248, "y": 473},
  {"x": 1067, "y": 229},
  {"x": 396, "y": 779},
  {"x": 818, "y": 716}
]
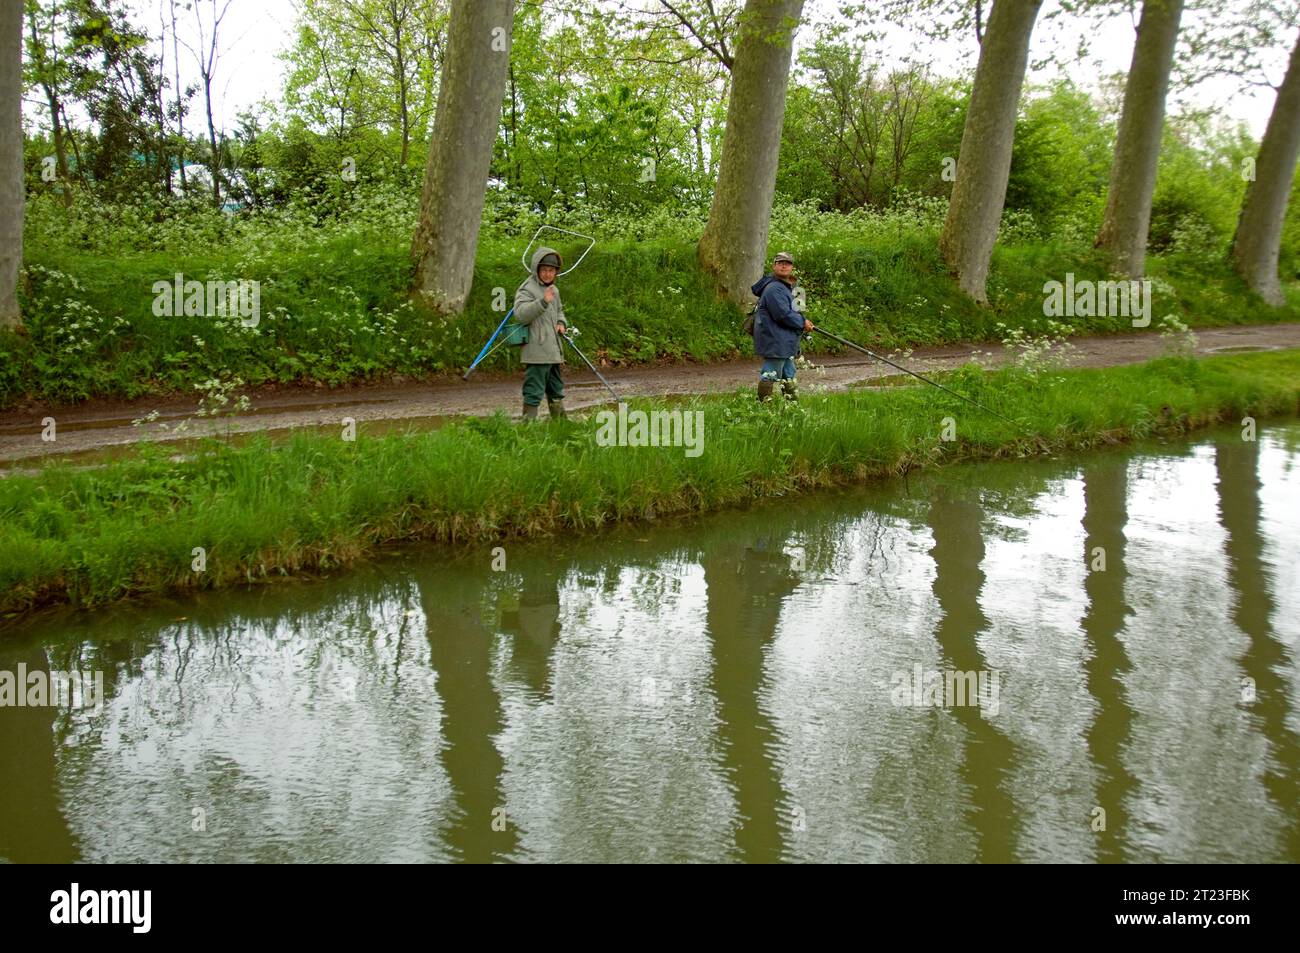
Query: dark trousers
[{"x": 542, "y": 379}]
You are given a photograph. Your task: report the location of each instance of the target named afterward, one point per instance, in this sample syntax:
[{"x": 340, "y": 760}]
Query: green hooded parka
[{"x": 543, "y": 345}]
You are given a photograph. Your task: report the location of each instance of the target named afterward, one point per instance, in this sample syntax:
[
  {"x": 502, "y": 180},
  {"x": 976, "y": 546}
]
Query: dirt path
[{"x": 97, "y": 426}]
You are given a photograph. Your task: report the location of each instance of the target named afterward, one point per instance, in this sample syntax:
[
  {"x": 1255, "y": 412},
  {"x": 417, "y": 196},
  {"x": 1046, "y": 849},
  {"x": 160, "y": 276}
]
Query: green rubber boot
[
  {"x": 530, "y": 412},
  {"x": 556, "y": 407},
  {"x": 790, "y": 389},
  {"x": 764, "y": 389}
]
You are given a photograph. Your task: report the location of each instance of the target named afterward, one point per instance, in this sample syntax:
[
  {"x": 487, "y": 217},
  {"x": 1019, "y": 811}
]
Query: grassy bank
[
  {"x": 260, "y": 511},
  {"x": 334, "y": 307}
]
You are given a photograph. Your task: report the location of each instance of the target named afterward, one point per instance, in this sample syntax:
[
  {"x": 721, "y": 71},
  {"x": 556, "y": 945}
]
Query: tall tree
[
  {"x": 391, "y": 27},
  {"x": 182, "y": 94},
  {"x": 460, "y": 155},
  {"x": 613, "y": 107},
  {"x": 734, "y": 244},
  {"x": 326, "y": 74},
  {"x": 114, "y": 77},
  {"x": 984, "y": 163},
  {"x": 48, "y": 68},
  {"x": 1258, "y": 240},
  {"x": 11, "y": 160},
  {"x": 375, "y": 59},
  {"x": 206, "y": 56},
  {"x": 1127, "y": 218}
]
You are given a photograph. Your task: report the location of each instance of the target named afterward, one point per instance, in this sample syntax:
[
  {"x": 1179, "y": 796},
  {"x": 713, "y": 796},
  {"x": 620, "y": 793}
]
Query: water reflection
[
  {"x": 461, "y": 650},
  {"x": 723, "y": 689},
  {"x": 293, "y": 724},
  {"x": 1105, "y": 499},
  {"x": 1192, "y": 746},
  {"x": 747, "y": 580},
  {"x": 1266, "y": 660},
  {"x": 534, "y": 627},
  {"x": 986, "y": 758},
  {"x": 32, "y": 828}
]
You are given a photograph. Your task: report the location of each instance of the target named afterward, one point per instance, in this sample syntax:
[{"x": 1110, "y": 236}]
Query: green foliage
[
  {"x": 90, "y": 535},
  {"x": 602, "y": 115},
  {"x": 1199, "y": 188},
  {"x": 611, "y": 125},
  {"x": 364, "y": 73},
  {"x": 334, "y": 277},
  {"x": 1060, "y": 161},
  {"x": 855, "y": 135}
]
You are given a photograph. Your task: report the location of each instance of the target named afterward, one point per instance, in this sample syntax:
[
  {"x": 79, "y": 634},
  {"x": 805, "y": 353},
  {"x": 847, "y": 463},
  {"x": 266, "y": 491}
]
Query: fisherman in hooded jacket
[
  {"x": 538, "y": 307},
  {"x": 778, "y": 326}
]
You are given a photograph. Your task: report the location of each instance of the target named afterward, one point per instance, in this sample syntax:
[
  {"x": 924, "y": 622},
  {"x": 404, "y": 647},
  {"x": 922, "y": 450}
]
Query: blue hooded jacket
[{"x": 777, "y": 325}]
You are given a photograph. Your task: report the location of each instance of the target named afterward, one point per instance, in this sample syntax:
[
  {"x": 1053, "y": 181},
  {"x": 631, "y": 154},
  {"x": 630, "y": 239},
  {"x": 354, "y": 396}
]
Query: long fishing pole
[
  {"x": 948, "y": 390},
  {"x": 592, "y": 366},
  {"x": 484, "y": 353}
]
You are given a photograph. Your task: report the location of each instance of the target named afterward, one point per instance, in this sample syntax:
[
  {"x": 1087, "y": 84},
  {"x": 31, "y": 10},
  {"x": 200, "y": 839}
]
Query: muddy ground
[{"x": 92, "y": 430}]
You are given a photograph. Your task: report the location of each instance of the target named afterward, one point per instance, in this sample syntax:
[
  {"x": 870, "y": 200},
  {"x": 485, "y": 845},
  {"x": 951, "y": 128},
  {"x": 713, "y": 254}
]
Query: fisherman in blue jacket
[{"x": 778, "y": 326}]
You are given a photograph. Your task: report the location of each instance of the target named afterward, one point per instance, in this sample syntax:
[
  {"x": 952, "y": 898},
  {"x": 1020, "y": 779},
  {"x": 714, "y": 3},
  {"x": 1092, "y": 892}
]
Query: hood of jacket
[
  {"x": 758, "y": 286},
  {"x": 541, "y": 253}
]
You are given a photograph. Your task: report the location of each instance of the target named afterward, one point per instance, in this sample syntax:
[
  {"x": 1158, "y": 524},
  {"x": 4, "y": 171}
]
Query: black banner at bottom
[{"x": 139, "y": 904}]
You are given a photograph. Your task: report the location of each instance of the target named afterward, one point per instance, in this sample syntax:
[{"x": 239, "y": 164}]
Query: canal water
[{"x": 1080, "y": 659}]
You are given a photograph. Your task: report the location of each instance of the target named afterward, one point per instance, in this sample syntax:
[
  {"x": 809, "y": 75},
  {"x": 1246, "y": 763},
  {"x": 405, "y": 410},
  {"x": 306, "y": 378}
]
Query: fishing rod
[
  {"x": 565, "y": 338},
  {"x": 949, "y": 390},
  {"x": 487, "y": 348}
]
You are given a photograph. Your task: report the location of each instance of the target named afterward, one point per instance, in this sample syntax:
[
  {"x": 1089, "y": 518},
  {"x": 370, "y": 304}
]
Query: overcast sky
[{"x": 255, "y": 31}]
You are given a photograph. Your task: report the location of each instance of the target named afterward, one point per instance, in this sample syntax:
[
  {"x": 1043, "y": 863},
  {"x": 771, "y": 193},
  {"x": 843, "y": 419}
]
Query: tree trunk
[
  {"x": 1259, "y": 228},
  {"x": 403, "y": 112},
  {"x": 180, "y": 102},
  {"x": 734, "y": 245},
  {"x": 1127, "y": 220},
  {"x": 60, "y": 147},
  {"x": 11, "y": 160},
  {"x": 698, "y": 129},
  {"x": 984, "y": 164},
  {"x": 460, "y": 155},
  {"x": 215, "y": 166},
  {"x": 76, "y": 149},
  {"x": 513, "y": 166},
  {"x": 45, "y": 70}
]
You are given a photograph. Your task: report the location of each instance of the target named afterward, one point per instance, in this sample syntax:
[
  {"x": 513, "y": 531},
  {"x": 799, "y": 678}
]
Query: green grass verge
[{"x": 261, "y": 510}]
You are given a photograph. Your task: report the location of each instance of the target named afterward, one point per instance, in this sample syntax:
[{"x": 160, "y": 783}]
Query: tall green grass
[
  {"x": 262, "y": 510},
  {"x": 335, "y": 306}
]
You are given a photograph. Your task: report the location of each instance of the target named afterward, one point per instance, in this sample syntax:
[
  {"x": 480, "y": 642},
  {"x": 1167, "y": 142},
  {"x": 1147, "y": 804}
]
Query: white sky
[{"x": 255, "y": 31}]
